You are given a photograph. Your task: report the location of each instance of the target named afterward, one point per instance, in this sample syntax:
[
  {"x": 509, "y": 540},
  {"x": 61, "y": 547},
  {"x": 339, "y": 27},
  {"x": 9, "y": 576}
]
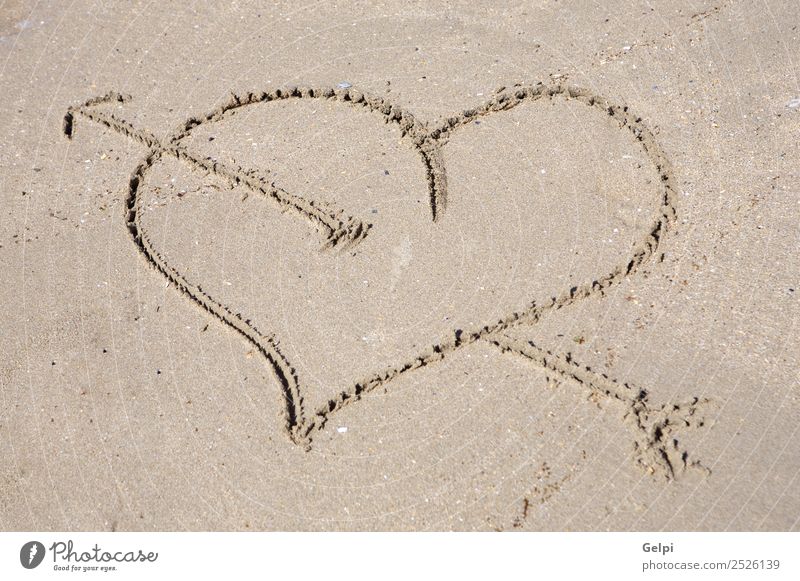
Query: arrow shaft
[{"x": 335, "y": 224}]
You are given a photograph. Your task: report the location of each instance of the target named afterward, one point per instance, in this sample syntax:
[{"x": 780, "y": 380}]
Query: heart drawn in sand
[{"x": 355, "y": 247}]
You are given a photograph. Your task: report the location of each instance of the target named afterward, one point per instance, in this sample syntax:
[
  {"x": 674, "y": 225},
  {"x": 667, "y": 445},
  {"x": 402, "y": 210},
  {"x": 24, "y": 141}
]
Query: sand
[{"x": 402, "y": 266}]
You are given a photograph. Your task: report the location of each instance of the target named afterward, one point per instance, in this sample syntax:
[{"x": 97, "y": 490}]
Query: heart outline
[{"x": 429, "y": 143}]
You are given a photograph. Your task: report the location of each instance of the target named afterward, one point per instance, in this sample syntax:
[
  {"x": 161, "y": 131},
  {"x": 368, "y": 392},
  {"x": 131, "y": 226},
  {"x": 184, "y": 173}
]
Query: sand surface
[{"x": 400, "y": 266}]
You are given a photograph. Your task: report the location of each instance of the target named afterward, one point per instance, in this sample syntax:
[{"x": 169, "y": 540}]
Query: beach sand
[{"x": 400, "y": 266}]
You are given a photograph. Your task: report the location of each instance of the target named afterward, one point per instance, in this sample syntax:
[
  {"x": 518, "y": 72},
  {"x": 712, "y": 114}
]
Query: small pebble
[
  {"x": 344, "y": 85},
  {"x": 341, "y": 429}
]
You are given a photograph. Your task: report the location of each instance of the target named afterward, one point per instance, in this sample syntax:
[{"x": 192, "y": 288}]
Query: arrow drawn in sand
[{"x": 655, "y": 444}]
